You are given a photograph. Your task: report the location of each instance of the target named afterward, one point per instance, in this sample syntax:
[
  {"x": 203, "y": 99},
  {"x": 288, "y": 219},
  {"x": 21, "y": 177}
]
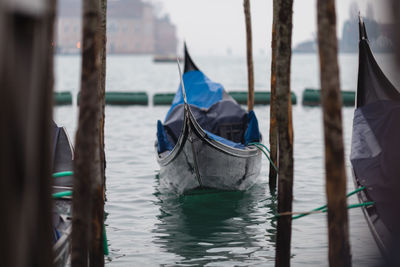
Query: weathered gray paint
[{"x": 197, "y": 161}]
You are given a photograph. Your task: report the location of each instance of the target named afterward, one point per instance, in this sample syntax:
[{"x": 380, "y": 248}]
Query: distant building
[
  {"x": 306, "y": 47},
  {"x": 380, "y": 37},
  {"x": 132, "y": 28}
]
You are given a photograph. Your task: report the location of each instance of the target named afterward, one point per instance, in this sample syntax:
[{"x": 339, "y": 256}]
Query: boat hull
[
  {"x": 62, "y": 208},
  {"x": 198, "y": 161},
  {"x": 379, "y": 231}
]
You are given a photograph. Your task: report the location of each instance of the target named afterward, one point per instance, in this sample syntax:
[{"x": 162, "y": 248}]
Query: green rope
[
  {"x": 369, "y": 203},
  {"x": 352, "y": 206},
  {"x": 260, "y": 148},
  {"x": 305, "y": 214},
  {"x": 256, "y": 143},
  {"x": 62, "y": 174},
  {"x": 355, "y": 191},
  {"x": 69, "y": 193},
  {"x": 62, "y": 194},
  {"x": 105, "y": 243},
  {"x": 324, "y": 206}
]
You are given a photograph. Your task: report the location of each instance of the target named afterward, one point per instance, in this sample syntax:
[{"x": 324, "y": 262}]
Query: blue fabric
[
  {"x": 163, "y": 144},
  {"x": 200, "y": 91},
  {"x": 252, "y": 133},
  {"x": 224, "y": 141},
  {"x": 56, "y": 235}
]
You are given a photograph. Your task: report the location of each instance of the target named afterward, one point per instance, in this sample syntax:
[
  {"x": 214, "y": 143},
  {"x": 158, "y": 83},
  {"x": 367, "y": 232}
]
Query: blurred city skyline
[
  {"x": 217, "y": 27},
  {"x": 214, "y": 27}
]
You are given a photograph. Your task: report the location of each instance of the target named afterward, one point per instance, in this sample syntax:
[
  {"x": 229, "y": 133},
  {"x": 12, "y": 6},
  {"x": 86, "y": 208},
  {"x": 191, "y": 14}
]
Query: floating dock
[
  {"x": 312, "y": 97},
  {"x": 62, "y": 98}
]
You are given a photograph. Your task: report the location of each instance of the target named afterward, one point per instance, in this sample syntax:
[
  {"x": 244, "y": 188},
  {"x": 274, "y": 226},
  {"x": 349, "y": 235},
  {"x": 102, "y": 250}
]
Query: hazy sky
[{"x": 214, "y": 26}]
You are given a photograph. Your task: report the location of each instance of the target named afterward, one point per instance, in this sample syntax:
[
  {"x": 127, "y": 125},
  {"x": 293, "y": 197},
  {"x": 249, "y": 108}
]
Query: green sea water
[{"x": 149, "y": 226}]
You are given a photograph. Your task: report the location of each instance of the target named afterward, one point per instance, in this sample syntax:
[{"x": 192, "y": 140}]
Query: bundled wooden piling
[
  {"x": 87, "y": 167},
  {"x": 285, "y": 130},
  {"x": 273, "y": 127},
  {"x": 249, "y": 52},
  {"x": 26, "y": 56},
  {"x": 339, "y": 247}
]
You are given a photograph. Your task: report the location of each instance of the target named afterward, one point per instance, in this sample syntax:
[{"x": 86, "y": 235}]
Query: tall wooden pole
[
  {"x": 87, "y": 166},
  {"x": 249, "y": 50},
  {"x": 97, "y": 249},
  {"x": 102, "y": 90},
  {"x": 339, "y": 247},
  {"x": 285, "y": 130},
  {"x": 273, "y": 127},
  {"x": 25, "y": 132}
]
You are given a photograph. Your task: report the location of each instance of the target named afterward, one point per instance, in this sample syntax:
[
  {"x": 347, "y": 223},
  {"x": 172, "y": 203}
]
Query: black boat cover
[
  {"x": 375, "y": 150},
  {"x": 62, "y": 155}
]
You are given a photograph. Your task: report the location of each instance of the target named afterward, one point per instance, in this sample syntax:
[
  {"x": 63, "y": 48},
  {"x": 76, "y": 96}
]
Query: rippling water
[{"x": 149, "y": 227}]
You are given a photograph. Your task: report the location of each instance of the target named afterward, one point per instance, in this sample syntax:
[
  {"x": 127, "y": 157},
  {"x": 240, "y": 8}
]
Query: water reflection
[{"x": 224, "y": 227}]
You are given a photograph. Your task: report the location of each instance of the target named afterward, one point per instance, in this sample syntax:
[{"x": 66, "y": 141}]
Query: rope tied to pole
[
  {"x": 324, "y": 208},
  {"x": 260, "y": 147}
]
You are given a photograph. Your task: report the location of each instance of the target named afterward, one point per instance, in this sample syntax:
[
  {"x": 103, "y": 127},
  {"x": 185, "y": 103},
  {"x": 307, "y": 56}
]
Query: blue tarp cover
[
  {"x": 163, "y": 144},
  {"x": 200, "y": 91},
  {"x": 217, "y": 113},
  {"x": 252, "y": 133}
]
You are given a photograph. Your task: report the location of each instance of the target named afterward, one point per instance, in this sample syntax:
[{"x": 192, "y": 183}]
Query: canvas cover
[
  {"x": 62, "y": 155},
  {"x": 375, "y": 150},
  {"x": 216, "y": 112},
  {"x": 200, "y": 91}
]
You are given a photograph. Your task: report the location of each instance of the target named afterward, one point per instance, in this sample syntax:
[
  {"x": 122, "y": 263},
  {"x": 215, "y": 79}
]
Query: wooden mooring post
[
  {"x": 96, "y": 250},
  {"x": 87, "y": 163},
  {"x": 273, "y": 127},
  {"x": 26, "y": 91},
  {"x": 285, "y": 130},
  {"x": 249, "y": 53},
  {"x": 338, "y": 230}
]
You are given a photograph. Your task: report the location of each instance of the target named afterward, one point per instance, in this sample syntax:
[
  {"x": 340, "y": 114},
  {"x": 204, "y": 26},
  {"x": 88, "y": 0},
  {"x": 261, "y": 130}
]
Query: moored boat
[
  {"x": 62, "y": 185},
  {"x": 375, "y": 150},
  {"x": 165, "y": 59},
  {"x": 205, "y": 139}
]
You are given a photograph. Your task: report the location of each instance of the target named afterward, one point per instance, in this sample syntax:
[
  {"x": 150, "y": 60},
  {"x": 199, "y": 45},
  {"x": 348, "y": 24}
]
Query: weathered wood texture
[
  {"x": 102, "y": 90},
  {"x": 339, "y": 247},
  {"x": 97, "y": 250},
  {"x": 273, "y": 127},
  {"x": 249, "y": 52},
  {"x": 285, "y": 131},
  {"x": 87, "y": 165},
  {"x": 25, "y": 133}
]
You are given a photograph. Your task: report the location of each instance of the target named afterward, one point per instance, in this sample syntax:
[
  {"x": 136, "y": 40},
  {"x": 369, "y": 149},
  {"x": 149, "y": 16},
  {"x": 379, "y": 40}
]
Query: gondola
[
  {"x": 375, "y": 149},
  {"x": 62, "y": 224},
  {"x": 204, "y": 142}
]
